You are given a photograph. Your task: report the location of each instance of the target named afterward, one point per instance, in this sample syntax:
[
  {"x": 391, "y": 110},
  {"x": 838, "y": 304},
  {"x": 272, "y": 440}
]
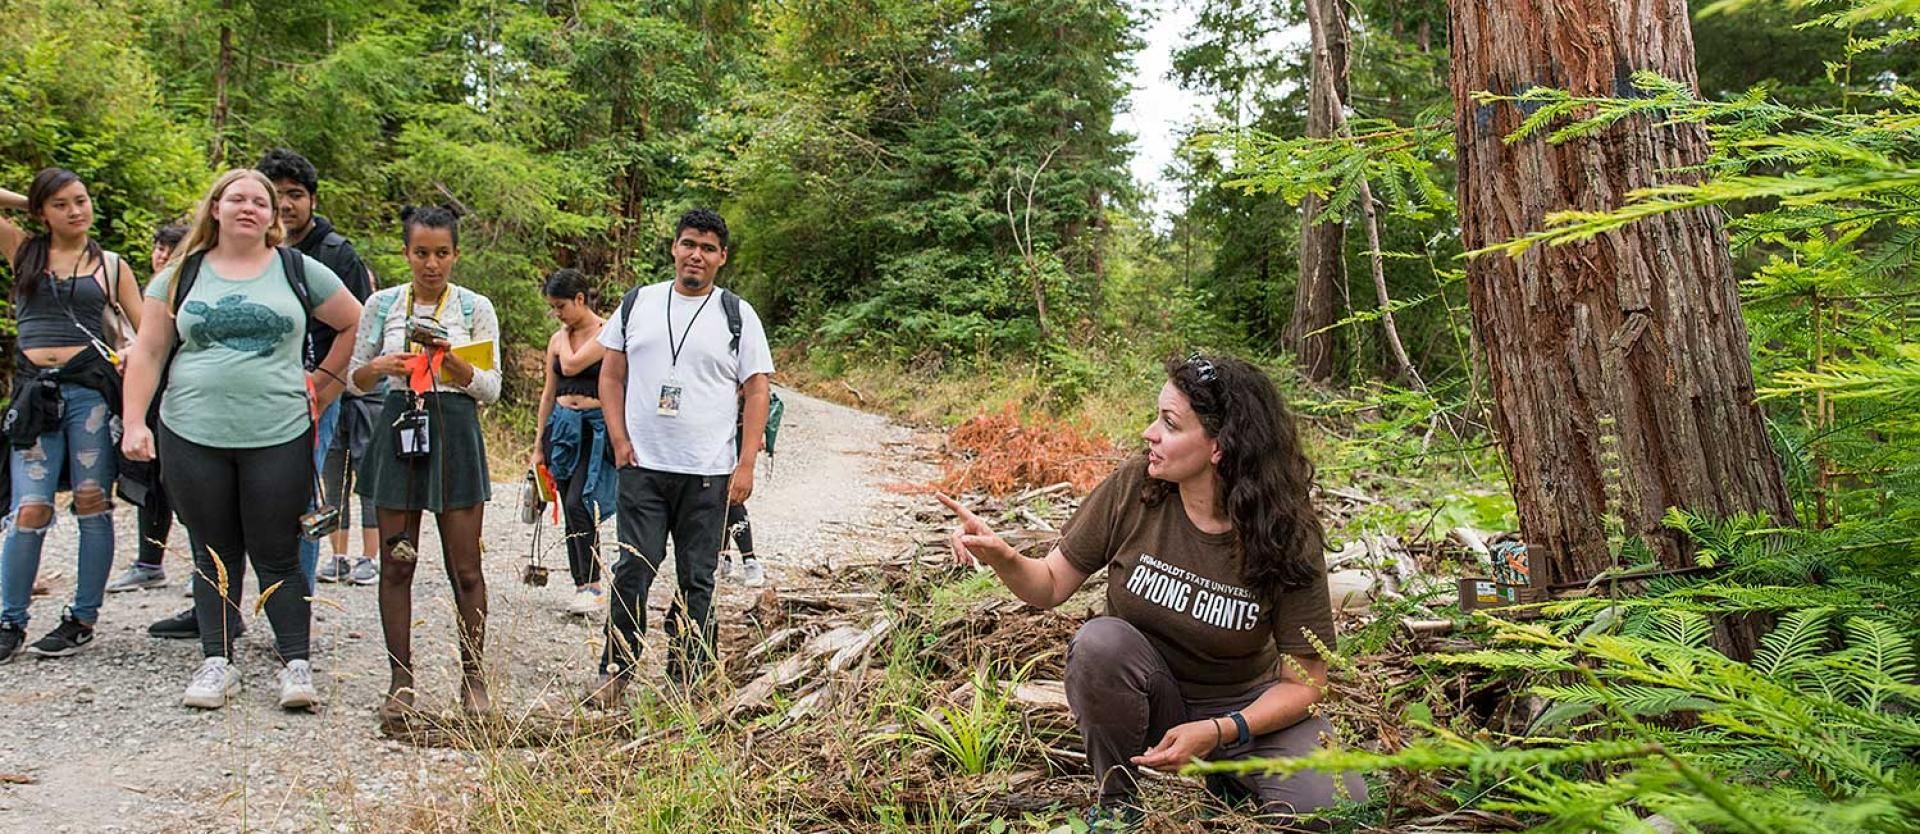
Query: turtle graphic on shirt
[{"x": 238, "y": 324}]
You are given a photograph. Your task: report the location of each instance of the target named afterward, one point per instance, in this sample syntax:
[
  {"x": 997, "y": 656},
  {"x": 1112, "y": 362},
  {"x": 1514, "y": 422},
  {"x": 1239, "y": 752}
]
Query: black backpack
[
  {"x": 293, "y": 266},
  {"x": 137, "y": 479},
  {"x": 729, "y": 304}
]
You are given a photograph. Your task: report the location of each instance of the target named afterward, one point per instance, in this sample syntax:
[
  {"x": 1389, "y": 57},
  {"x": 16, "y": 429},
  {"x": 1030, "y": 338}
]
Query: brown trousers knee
[{"x": 1126, "y": 699}]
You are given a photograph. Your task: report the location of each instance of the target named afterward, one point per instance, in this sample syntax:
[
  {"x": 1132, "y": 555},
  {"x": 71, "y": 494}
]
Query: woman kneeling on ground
[
  {"x": 1215, "y": 573},
  {"x": 426, "y": 452},
  {"x": 237, "y": 419}
]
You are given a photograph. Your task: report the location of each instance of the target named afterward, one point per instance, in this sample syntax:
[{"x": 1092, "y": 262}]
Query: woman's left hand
[{"x": 1182, "y": 744}]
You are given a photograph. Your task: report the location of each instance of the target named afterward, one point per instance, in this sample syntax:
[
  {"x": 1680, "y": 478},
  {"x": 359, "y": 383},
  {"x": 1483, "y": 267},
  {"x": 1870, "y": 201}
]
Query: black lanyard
[{"x": 673, "y": 349}]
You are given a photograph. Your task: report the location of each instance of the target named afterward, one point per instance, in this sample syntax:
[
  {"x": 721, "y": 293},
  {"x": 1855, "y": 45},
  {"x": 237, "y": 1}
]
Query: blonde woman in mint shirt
[{"x": 236, "y": 419}]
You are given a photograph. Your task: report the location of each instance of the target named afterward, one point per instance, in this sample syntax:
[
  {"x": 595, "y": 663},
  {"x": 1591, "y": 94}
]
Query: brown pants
[{"x": 1126, "y": 700}]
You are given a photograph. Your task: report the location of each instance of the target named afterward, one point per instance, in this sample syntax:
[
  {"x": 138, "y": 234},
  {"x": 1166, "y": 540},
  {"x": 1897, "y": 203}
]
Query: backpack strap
[
  {"x": 109, "y": 276},
  {"x": 626, "y": 312},
  {"x": 110, "y": 281},
  {"x": 730, "y": 304},
  {"x": 183, "y": 278},
  {"x": 184, "y": 274},
  {"x": 294, "y": 266}
]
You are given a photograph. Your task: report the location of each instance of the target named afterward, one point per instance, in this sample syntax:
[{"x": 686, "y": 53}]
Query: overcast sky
[{"x": 1160, "y": 110}]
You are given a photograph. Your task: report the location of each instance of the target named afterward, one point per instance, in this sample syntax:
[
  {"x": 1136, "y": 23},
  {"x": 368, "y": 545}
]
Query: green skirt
[{"x": 452, "y": 475}]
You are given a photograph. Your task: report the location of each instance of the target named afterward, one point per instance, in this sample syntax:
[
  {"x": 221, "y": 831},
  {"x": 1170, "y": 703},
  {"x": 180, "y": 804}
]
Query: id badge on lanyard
[{"x": 672, "y": 391}]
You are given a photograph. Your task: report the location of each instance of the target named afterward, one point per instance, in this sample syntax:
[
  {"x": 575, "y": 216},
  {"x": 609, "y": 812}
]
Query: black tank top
[
  {"x": 583, "y": 384},
  {"x": 44, "y": 321}
]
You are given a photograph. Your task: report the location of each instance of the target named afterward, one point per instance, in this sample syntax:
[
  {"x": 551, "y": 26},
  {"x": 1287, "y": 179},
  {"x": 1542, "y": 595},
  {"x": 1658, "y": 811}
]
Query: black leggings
[
  {"x": 583, "y": 529},
  {"x": 156, "y": 524},
  {"x": 740, "y": 529},
  {"x": 241, "y": 502}
]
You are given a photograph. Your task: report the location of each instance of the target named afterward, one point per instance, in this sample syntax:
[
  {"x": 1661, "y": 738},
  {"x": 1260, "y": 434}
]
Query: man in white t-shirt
[{"x": 677, "y": 370}]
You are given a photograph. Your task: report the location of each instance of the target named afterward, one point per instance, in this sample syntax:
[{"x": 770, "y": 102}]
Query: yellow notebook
[{"x": 478, "y": 354}]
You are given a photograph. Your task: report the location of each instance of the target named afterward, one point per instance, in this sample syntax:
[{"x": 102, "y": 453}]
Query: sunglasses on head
[{"x": 1203, "y": 367}]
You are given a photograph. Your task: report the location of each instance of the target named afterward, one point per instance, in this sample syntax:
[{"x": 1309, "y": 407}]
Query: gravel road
[{"x": 99, "y": 742}]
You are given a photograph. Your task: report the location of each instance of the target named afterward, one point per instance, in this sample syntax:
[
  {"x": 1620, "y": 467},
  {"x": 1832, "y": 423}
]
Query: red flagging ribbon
[{"x": 423, "y": 368}]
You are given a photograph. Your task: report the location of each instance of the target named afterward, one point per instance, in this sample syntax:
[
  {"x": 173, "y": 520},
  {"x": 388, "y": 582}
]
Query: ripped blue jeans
[{"x": 82, "y": 449}]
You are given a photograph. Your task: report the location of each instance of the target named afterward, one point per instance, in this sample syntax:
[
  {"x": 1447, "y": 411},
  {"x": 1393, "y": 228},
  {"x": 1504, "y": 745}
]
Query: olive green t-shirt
[
  {"x": 1182, "y": 588},
  {"x": 239, "y": 381}
]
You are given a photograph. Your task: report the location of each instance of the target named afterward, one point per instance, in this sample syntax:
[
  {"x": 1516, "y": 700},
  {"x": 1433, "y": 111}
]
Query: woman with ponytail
[
  {"x": 1216, "y": 592},
  {"x": 74, "y": 304}
]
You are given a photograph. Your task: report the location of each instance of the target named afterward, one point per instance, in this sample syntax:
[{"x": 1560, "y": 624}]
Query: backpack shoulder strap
[
  {"x": 730, "y": 304},
  {"x": 626, "y": 312},
  {"x": 109, "y": 280},
  {"x": 294, "y": 266},
  {"x": 183, "y": 278}
]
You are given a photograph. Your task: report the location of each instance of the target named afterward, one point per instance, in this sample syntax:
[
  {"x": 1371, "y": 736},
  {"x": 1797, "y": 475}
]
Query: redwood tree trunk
[
  {"x": 1322, "y": 245},
  {"x": 1636, "y": 333}
]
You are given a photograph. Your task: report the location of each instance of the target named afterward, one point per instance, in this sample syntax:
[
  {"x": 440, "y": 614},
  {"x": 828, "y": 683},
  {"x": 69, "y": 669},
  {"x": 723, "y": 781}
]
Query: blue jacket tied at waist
[{"x": 569, "y": 430}]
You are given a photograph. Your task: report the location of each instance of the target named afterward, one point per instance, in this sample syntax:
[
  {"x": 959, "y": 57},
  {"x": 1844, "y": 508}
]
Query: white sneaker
[
  {"x": 586, "y": 602},
  {"x": 724, "y": 571},
  {"x": 296, "y": 686},
  {"x": 751, "y": 574},
  {"x": 214, "y": 682}
]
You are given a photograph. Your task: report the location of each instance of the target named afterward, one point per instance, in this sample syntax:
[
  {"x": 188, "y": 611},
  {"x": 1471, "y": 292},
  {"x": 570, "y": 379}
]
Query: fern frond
[{"x": 1800, "y": 636}]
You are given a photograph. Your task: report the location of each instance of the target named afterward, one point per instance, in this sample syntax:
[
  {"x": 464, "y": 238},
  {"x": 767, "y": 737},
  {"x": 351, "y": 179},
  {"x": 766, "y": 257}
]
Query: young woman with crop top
[
  {"x": 68, "y": 295},
  {"x": 573, "y": 432}
]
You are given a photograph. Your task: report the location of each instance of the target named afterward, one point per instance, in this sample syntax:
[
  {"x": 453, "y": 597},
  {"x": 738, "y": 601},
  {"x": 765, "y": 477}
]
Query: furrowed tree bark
[
  {"x": 1636, "y": 333},
  {"x": 1322, "y": 245}
]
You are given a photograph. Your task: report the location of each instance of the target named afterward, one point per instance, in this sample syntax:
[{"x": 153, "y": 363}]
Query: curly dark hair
[
  {"x": 703, "y": 220},
  {"x": 285, "y": 164},
  {"x": 1265, "y": 478}
]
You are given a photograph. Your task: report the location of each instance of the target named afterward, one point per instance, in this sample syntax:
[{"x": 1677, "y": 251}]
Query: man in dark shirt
[{"x": 297, "y": 184}]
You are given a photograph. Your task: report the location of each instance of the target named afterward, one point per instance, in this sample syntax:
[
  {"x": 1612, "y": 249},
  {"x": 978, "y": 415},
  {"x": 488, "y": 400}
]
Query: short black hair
[
  {"x": 702, "y": 220},
  {"x": 170, "y": 235},
  {"x": 429, "y": 217},
  {"x": 283, "y": 164}
]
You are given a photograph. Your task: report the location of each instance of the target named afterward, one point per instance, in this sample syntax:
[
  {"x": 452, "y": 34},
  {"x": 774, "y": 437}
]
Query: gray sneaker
[
  {"x": 751, "y": 574},
  {"x": 333, "y": 570},
  {"x": 365, "y": 572},
  {"x": 138, "y": 576}
]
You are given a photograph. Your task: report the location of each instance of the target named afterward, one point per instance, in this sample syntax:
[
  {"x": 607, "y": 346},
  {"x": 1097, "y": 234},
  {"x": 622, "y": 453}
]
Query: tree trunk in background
[
  {"x": 1635, "y": 334},
  {"x": 221, "y": 73},
  {"x": 1322, "y": 245}
]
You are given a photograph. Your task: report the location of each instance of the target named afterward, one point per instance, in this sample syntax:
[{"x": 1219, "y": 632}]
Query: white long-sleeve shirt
[{"x": 467, "y": 315}]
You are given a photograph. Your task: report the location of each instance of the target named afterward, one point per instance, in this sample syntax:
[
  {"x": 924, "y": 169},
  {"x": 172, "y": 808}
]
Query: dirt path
[{"x": 107, "y": 747}]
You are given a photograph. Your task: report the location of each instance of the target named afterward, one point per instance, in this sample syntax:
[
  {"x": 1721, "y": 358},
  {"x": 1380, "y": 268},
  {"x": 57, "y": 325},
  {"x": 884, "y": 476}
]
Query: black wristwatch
[{"x": 1244, "y": 735}]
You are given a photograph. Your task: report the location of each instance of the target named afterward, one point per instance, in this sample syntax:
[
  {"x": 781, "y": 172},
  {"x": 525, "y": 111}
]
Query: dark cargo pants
[
  {"x": 693, "y": 510},
  {"x": 1126, "y": 699}
]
